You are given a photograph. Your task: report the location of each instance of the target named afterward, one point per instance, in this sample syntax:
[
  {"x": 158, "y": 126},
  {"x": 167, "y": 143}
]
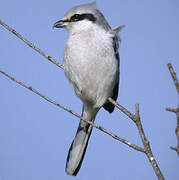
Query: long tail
[{"x": 78, "y": 147}]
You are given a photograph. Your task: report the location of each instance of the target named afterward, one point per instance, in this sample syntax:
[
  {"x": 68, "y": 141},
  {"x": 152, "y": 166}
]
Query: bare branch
[
  {"x": 177, "y": 130},
  {"x": 75, "y": 114},
  {"x": 175, "y": 149},
  {"x": 147, "y": 147},
  {"x": 139, "y": 126},
  {"x": 174, "y": 77},
  {"x": 121, "y": 108},
  {"x": 171, "y": 110},
  {"x": 176, "y": 111},
  {"x": 135, "y": 118},
  {"x": 31, "y": 45}
]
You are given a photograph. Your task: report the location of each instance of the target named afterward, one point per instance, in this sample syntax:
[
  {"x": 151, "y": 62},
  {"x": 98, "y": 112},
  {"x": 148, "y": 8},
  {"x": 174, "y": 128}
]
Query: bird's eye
[{"x": 75, "y": 17}]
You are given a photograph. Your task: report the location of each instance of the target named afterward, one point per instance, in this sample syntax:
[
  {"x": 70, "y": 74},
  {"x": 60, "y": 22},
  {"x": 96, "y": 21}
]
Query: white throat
[{"x": 81, "y": 26}]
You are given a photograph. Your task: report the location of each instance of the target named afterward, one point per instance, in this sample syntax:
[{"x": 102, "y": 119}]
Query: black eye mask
[{"x": 80, "y": 17}]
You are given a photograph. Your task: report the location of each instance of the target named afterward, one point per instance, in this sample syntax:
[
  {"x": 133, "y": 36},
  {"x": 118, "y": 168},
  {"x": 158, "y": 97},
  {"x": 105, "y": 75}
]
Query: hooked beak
[{"x": 60, "y": 24}]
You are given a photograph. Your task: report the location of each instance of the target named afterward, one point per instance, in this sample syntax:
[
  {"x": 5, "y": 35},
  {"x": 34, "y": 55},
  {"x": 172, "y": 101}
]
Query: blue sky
[{"x": 35, "y": 135}]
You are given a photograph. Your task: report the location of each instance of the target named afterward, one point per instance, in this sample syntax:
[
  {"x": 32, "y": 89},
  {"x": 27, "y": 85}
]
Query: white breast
[{"x": 90, "y": 65}]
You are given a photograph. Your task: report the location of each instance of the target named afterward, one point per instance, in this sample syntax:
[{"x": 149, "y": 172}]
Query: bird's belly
[
  {"x": 91, "y": 73},
  {"x": 92, "y": 81}
]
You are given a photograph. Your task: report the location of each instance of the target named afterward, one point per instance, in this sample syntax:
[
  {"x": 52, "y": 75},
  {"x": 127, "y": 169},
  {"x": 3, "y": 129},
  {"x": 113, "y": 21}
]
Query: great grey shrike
[{"x": 91, "y": 63}]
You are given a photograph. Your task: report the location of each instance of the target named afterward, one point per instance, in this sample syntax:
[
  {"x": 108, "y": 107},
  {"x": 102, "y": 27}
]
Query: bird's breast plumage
[{"x": 90, "y": 65}]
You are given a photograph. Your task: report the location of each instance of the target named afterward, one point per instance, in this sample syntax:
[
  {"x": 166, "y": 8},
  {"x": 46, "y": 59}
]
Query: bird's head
[{"x": 82, "y": 17}]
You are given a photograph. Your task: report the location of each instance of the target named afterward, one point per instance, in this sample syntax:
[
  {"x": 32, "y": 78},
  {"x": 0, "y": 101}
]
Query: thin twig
[
  {"x": 176, "y": 111},
  {"x": 121, "y": 108},
  {"x": 31, "y": 45},
  {"x": 75, "y": 114},
  {"x": 171, "y": 110},
  {"x": 177, "y": 130},
  {"x": 175, "y": 149},
  {"x": 147, "y": 147},
  {"x": 174, "y": 77}
]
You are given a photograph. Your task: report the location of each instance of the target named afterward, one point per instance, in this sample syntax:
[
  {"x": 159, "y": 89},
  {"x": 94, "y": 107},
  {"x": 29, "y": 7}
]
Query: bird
[{"x": 91, "y": 64}]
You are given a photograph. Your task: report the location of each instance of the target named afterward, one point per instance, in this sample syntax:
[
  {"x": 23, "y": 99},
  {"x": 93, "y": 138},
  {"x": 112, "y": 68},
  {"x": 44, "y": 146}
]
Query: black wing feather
[{"x": 108, "y": 105}]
